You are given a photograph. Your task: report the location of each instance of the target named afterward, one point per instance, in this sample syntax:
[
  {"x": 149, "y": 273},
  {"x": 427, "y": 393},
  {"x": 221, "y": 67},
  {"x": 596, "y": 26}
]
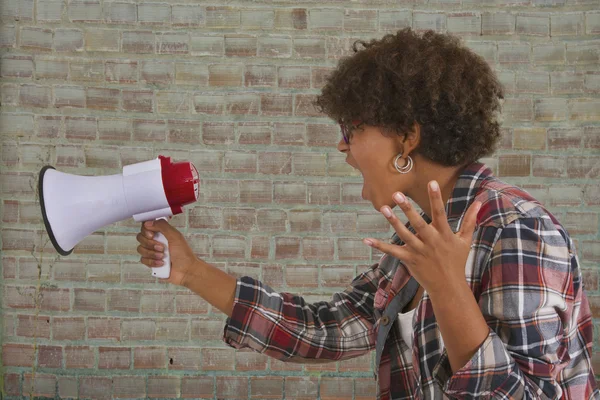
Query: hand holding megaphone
[{"x": 74, "y": 206}]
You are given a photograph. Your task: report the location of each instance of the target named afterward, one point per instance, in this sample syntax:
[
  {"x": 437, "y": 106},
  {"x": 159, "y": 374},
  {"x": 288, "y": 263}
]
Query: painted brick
[
  {"x": 36, "y": 39},
  {"x": 85, "y": 11},
  {"x": 550, "y": 109},
  {"x": 138, "y": 42},
  {"x": 51, "y": 69},
  {"x": 394, "y": 20},
  {"x": 16, "y": 66},
  {"x": 533, "y": 24},
  {"x": 423, "y": 21},
  {"x": 187, "y": 15},
  {"x": 129, "y": 386},
  {"x": 172, "y": 43},
  {"x": 154, "y": 13},
  {"x": 95, "y": 386},
  {"x": 102, "y": 40},
  {"x": 309, "y": 48},
  {"x": 202, "y": 45},
  {"x": 87, "y": 71},
  {"x": 498, "y": 23},
  {"x": 120, "y": 13},
  {"x": 121, "y": 71},
  {"x": 8, "y": 36},
  {"x": 260, "y": 19},
  {"x": 564, "y": 24},
  {"x": 360, "y": 20},
  {"x": 583, "y": 53},
  {"x": 43, "y": 385},
  {"x": 278, "y": 47},
  {"x": 592, "y": 22},
  {"x": 222, "y": 17},
  {"x": 35, "y": 96},
  {"x": 549, "y": 54},
  {"x": 290, "y": 19},
  {"x": 464, "y": 23},
  {"x": 325, "y": 19},
  {"x": 50, "y": 10}
]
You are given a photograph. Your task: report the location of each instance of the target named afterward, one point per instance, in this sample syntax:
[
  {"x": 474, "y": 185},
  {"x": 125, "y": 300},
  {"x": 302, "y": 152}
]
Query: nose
[{"x": 342, "y": 146}]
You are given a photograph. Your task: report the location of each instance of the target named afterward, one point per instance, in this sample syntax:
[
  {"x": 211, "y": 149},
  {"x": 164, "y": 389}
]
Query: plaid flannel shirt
[{"x": 523, "y": 271}]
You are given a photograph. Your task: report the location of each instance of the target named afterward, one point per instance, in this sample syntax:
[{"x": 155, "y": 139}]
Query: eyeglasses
[{"x": 346, "y": 132}]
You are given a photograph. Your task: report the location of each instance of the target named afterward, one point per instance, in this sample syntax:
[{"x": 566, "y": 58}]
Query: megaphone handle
[{"x": 164, "y": 271}]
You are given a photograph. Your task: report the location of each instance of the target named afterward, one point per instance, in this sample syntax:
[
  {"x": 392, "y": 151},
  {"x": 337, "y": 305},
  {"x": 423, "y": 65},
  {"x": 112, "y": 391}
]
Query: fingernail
[
  {"x": 368, "y": 242},
  {"x": 158, "y": 248},
  {"x": 149, "y": 235},
  {"x": 385, "y": 210},
  {"x": 399, "y": 197},
  {"x": 149, "y": 223},
  {"x": 434, "y": 186}
]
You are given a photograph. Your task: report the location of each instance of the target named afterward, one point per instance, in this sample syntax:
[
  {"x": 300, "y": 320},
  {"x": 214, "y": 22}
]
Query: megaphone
[{"x": 75, "y": 206}]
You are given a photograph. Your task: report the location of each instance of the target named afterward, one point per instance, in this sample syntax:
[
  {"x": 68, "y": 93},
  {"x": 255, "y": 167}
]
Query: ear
[{"x": 410, "y": 140}]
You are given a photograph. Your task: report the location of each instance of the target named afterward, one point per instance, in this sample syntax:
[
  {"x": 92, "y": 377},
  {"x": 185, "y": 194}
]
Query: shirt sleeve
[
  {"x": 540, "y": 326},
  {"x": 284, "y": 326}
]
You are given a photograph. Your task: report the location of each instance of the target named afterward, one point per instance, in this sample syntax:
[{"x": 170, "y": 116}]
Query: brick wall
[{"x": 90, "y": 86}]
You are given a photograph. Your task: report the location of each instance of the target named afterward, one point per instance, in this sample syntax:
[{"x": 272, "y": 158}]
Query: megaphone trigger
[{"x": 165, "y": 270}]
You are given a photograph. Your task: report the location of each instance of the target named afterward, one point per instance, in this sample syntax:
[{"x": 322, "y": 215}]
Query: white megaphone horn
[{"x": 75, "y": 206}]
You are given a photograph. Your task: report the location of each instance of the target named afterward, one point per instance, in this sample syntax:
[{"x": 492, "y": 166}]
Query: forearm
[
  {"x": 461, "y": 323},
  {"x": 213, "y": 285}
]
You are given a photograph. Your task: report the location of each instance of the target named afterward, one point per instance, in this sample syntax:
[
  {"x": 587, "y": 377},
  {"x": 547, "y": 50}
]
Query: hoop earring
[{"x": 406, "y": 168}]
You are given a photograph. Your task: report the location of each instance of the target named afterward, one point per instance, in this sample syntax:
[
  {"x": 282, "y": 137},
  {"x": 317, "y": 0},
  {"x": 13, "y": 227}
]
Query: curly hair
[{"x": 428, "y": 78}]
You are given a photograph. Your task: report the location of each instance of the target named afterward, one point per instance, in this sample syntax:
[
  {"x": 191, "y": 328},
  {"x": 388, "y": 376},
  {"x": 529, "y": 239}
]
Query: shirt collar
[{"x": 466, "y": 188}]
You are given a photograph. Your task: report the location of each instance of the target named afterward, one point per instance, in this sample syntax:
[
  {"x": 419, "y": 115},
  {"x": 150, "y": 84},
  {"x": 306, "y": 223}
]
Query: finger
[
  {"x": 438, "y": 209},
  {"x": 399, "y": 252},
  {"x": 162, "y": 226},
  {"x": 148, "y": 243},
  {"x": 403, "y": 233},
  {"x": 470, "y": 221},
  {"x": 144, "y": 252},
  {"x": 151, "y": 262},
  {"x": 416, "y": 221}
]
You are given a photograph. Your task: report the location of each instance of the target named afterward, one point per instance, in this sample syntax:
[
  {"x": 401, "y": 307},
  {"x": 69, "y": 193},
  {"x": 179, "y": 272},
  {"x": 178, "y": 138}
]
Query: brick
[
  {"x": 240, "y": 162},
  {"x": 338, "y": 222},
  {"x": 102, "y": 40},
  {"x": 85, "y": 11},
  {"x": 266, "y": 387},
  {"x": 260, "y": 75},
  {"x": 250, "y": 361},
  {"x": 16, "y": 183},
  {"x": 18, "y": 355},
  {"x": 360, "y": 20},
  {"x": 102, "y": 98},
  {"x": 549, "y": 166},
  {"x": 464, "y": 23},
  {"x": 114, "y": 357},
  {"x": 271, "y": 221},
  {"x": 255, "y": 191},
  {"x": 129, "y": 386},
  {"x": 290, "y": 19},
  {"x": 121, "y": 71},
  {"x": 322, "y": 135},
  {"x": 304, "y": 105},
  {"x": 242, "y": 103},
  {"x": 584, "y": 109},
  {"x": 309, "y": 164},
  {"x": 163, "y": 386},
  {"x": 514, "y": 165},
  {"x": 96, "y": 387},
  {"x": 87, "y": 71},
  {"x": 278, "y": 47},
  {"x": 124, "y": 300},
  {"x": 120, "y": 13},
  {"x": 257, "y": 19},
  {"x": 592, "y": 22},
  {"x": 254, "y": 133},
  {"x": 302, "y": 387},
  {"x": 423, "y": 21},
  {"x": 276, "y": 104},
  {"x": 184, "y": 132},
  {"x": 220, "y": 191},
  {"x": 591, "y": 194},
  {"x": 289, "y": 134},
  {"x": 550, "y": 109},
  {"x": 197, "y": 386},
  {"x": 591, "y": 137},
  {"x": 287, "y": 248},
  {"x": 184, "y": 358},
  {"x": 336, "y": 275},
  {"x": 35, "y": 96},
  {"x": 172, "y": 102},
  {"x": 104, "y": 328},
  {"x": 68, "y": 328},
  {"x": 310, "y": 48},
  {"x": 18, "y": 11},
  {"x": 138, "y": 100},
  {"x": 138, "y": 329},
  {"x": 201, "y": 45},
  {"x": 487, "y": 50},
  {"x": 529, "y": 82},
  {"x": 592, "y": 82},
  {"x": 276, "y": 163},
  {"x": 240, "y": 45},
  {"x": 498, "y": 23},
  {"x": 513, "y": 54},
  {"x": 583, "y": 53},
  {"x": 79, "y": 357},
  {"x": 518, "y": 110},
  {"x": 222, "y": 17},
  {"x": 326, "y": 19},
  {"x": 581, "y": 223},
  {"x": 33, "y": 326},
  {"x": 225, "y": 75},
  {"x": 173, "y": 43},
  {"x": 16, "y": 67},
  {"x": 157, "y": 302},
  {"x": 214, "y": 359},
  {"x": 50, "y": 356},
  {"x": 50, "y": 11},
  {"x": 564, "y": 24},
  {"x": 114, "y": 129},
  {"x": 230, "y": 387},
  {"x": 191, "y": 74},
  {"x": 394, "y": 20},
  {"x": 317, "y": 248},
  {"x": 187, "y": 15},
  {"x": 335, "y": 388},
  {"x": 533, "y": 24},
  {"x": 293, "y": 77},
  {"x": 51, "y": 69},
  {"x": 364, "y": 388},
  {"x": 154, "y": 13},
  {"x": 43, "y": 385},
  {"x": 564, "y": 138},
  {"x": 583, "y": 167},
  {"x": 305, "y": 221},
  {"x": 567, "y": 82},
  {"x": 36, "y": 39},
  {"x": 67, "y": 387},
  {"x": 229, "y": 246},
  {"x": 9, "y": 93},
  {"x": 90, "y": 300},
  {"x": 138, "y": 42},
  {"x": 217, "y": 133},
  {"x": 8, "y": 36},
  {"x": 149, "y": 357}
]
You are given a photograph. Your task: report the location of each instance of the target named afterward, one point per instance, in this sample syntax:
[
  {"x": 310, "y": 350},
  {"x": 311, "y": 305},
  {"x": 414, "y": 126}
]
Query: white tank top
[{"x": 406, "y": 331}]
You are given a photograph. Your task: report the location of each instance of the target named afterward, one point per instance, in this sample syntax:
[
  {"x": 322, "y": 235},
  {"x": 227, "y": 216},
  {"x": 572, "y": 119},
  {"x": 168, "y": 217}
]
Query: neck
[{"x": 424, "y": 172}]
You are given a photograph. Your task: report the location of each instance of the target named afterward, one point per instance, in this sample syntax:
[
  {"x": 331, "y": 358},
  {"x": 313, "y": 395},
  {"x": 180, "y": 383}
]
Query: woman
[{"x": 479, "y": 296}]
